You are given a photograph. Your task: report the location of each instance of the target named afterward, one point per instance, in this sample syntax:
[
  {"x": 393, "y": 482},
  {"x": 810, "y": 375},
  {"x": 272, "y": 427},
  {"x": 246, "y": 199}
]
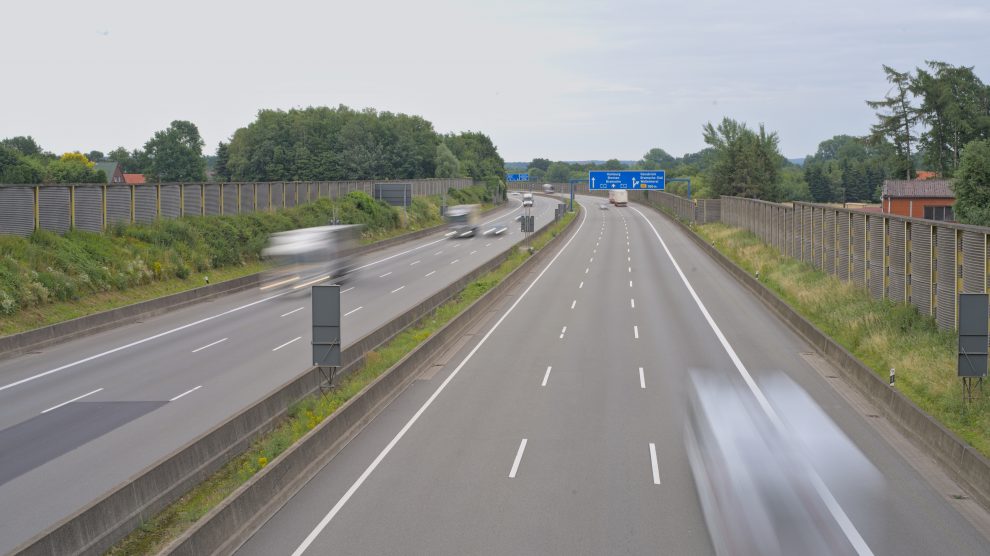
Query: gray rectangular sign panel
[
  {"x": 973, "y": 335},
  {"x": 326, "y": 325},
  {"x": 395, "y": 194}
]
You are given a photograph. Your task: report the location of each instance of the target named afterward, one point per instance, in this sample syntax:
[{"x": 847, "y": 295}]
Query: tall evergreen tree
[{"x": 897, "y": 118}]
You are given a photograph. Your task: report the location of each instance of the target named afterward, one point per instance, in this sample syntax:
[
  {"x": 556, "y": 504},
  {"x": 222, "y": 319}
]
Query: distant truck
[
  {"x": 462, "y": 220},
  {"x": 308, "y": 252},
  {"x": 618, "y": 197},
  {"x": 548, "y": 188}
]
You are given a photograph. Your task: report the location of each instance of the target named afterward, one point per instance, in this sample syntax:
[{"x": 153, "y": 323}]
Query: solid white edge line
[
  {"x": 642, "y": 379},
  {"x": 546, "y": 376},
  {"x": 395, "y": 440},
  {"x": 653, "y": 462},
  {"x": 72, "y": 400},
  {"x": 292, "y": 311},
  {"x": 519, "y": 455},
  {"x": 287, "y": 343},
  {"x": 353, "y": 311},
  {"x": 847, "y": 526},
  {"x": 217, "y": 342},
  {"x": 397, "y": 289},
  {"x": 139, "y": 342},
  {"x": 190, "y": 391}
]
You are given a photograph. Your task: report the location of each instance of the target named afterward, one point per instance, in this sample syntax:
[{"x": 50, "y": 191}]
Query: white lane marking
[
  {"x": 586, "y": 270},
  {"x": 384, "y": 275},
  {"x": 519, "y": 455},
  {"x": 472, "y": 252},
  {"x": 591, "y": 260},
  {"x": 852, "y": 534},
  {"x": 72, "y": 400},
  {"x": 353, "y": 311},
  {"x": 635, "y": 331},
  {"x": 630, "y": 269},
  {"x": 573, "y": 303},
  {"x": 546, "y": 376},
  {"x": 630, "y": 283},
  {"x": 653, "y": 462},
  {"x": 190, "y": 391},
  {"x": 628, "y": 250},
  {"x": 438, "y": 252},
  {"x": 632, "y": 302},
  {"x": 488, "y": 245},
  {"x": 214, "y": 343},
  {"x": 287, "y": 343},
  {"x": 629, "y": 259},
  {"x": 594, "y": 250},
  {"x": 279, "y": 283},
  {"x": 562, "y": 331},
  {"x": 313, "y": 281},
  {"x": 138, "y": 342},
  {"x": 431, "y": 272},
  {"x": 454, "y": 261},
  {"x": 581, "y": 285},
  {"x": 292, "y": 311},
  {"x": 407, "y": 251},
  {"x": 642, "y": 379},
  {"x": 415, "y": 262},
  {"x": 397, "y": 289},
  {"x": 412, "y": 420},
  {"x": 448, "y": 234},
  {"x": 348, "y": 289}
]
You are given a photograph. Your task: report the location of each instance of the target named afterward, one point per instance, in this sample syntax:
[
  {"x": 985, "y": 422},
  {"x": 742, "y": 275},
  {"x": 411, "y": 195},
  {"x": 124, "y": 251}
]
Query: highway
[
  {"x": 560, "y": 428},
  {"x": 79, "y": 418}
]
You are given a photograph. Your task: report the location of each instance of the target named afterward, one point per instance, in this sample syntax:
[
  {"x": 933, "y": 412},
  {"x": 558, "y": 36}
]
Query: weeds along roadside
[
  {"x": 306, "y": 414},
  {"x": 47, "y": 278}
]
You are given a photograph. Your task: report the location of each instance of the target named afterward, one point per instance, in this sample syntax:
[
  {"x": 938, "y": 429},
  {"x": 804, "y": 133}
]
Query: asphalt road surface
[
  {"x": 79, "y": 418},
  {"x": 560, "y": 428}
]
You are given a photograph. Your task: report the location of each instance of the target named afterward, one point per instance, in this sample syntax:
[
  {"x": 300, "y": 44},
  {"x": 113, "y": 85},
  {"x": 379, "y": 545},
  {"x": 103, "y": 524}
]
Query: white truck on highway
[
  {"x": 527, "y": 199},
  {"x": 618, "y": 197}
]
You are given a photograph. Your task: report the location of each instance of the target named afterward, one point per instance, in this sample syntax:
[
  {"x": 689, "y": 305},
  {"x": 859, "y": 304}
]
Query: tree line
[{"x": 316, "y": 143}]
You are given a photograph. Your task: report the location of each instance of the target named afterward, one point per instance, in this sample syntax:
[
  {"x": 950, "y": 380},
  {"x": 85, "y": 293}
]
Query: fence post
[
  {"x": 103, "y": 208},
  {"x": 37, "y": 210},
  {"x": 72, "y": 207},
  {"x": 158, "y": 201}
]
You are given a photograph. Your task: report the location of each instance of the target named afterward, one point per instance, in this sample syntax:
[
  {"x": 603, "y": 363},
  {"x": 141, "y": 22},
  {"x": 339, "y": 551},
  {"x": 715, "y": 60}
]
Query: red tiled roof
[
  {"x": 925, "y": 175},
  {"x": 134, "y": 179},
  {"x": 918, "y": 188}
]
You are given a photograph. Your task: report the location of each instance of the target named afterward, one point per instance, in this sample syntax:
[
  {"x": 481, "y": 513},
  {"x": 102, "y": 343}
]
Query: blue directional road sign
[
  {"x": 517, "y": 177},
  {"x": 627, "y": 180}
]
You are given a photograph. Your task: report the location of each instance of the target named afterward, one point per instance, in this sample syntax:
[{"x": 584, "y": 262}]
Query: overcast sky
[{"x": 566, "y": 80}]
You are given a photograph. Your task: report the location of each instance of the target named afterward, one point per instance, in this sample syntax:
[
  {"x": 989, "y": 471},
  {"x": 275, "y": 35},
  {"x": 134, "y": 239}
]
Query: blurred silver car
[{"x": 306, "y": 254}]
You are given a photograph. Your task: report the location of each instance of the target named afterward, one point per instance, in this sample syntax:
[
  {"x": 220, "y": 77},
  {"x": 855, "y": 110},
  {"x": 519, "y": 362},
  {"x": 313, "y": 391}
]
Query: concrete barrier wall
[
  {"x": 959, "y": 460},
  {"x": 95, "y": 528},
  {"x": 232, "y": 522}
]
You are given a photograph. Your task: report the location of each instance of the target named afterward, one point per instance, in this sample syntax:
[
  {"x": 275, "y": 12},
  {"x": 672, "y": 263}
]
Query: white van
[{"x": 527, "y": 199}]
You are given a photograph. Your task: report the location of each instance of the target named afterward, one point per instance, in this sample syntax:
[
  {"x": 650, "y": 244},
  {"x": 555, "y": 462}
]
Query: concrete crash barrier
[
  {"x": 96, "y": 527},
  {"x": 230, "y": 524},
  {"x": 958, "y": 459},
  {"x": 17, "y": 344}
]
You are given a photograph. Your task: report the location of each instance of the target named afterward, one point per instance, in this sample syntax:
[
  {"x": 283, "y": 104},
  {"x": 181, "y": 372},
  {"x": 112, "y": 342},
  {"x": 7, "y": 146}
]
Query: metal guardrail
[{"x": 95, "y": 207}]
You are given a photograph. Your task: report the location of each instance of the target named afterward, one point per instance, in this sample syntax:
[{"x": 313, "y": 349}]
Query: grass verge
[
  {"x": 882, "y": 334},
  {"x": 306, "y": 414},
  {"x": 44, "y": 315}
]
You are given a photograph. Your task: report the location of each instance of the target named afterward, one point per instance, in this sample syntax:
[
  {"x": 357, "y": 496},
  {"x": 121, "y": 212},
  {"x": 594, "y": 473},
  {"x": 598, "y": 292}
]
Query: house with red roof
[
  {"x": 134, "y": 179},
  {"x": 931, "y": 198}
]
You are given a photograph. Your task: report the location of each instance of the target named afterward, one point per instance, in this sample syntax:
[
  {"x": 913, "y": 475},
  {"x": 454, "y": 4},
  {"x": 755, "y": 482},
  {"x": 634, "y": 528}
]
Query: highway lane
[
  {"x": 139, "y": 403},
  {"x": 562, "y": 432}
]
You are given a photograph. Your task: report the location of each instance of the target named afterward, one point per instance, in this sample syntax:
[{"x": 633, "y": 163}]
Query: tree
[
  {"x": 74, "y": 168},
  {"x": 447, "y": 164},
  {"x": 26, "y": 146},
  {"x": 818, "y": 185},
  {"x": 656, "y": 159},
  {"x": 956, "y": 107},
  {"x": 972, "y": 184},
  {"x": 17, "y": 168},
  {"x": 613, "y": 164},
  {"x": 559, "y": 172},
  {"x": 896, "y": 118},
  {"x": 220, "y": 169},
  {"x": 541, "y": 163},
  {"x": 176, "y": 153},
  {"x": 96, "y": 156},
  {"x": 747, "y": 163}
]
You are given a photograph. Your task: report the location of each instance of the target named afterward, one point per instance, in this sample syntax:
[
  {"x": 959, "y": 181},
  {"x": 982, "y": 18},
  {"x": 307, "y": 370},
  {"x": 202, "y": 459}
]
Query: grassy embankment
[
  {"x": 47, "y": 278},
  {"x": 883, "y": 335},
  {"x": 306, "y": 414}
]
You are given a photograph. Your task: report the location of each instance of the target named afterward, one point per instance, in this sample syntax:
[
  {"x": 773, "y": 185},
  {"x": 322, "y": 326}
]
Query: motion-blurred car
[
  {"x": 776, "y": 479},
  {"x": 308, "y": 253}
]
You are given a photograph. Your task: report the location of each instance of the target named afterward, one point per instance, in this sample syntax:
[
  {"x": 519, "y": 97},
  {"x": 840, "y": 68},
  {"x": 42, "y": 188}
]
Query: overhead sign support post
[{"x": 326, "y": 332}]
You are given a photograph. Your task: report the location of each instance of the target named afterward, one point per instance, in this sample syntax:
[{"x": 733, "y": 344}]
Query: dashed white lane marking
[
  {"x": 546, "y": 376},
  {"x": 384, "y": 275},
  {"x": 454, "y": 261},
  {"x": 438, "y": 252},
  {"x": 629, "y": 259},
  {"x": 190, "y": 391},
  {"x": 72, "y": 400},
  {"x": 586, "y": 270},
  {"x": 488, "y": 245},
  {"x": 297, "y": 338},
  {"x": 581, "y": 285},
  {"x": 630, "y": 283},
  {"x": 415, "y": 262},
  {"x": 591, "y": 260},
  {"x": 642, "y": 379},
  {"x": 348, "y": 289},
  {"x": 215, "y": 343},
  {"x": 352, "y": 311},
  {"x": 397, "y": 289},
  {"x": 292, "y": 311},
  {"x": 653, "y": 462},
  {"x": 573, "y": 303},
  {"x": 632, "y": 302},
  {"x": 635, "y": 331},
  {"x": 630, "y": 269},
  {"x": 519, "y": 455},
  {"x": 431, "y": 273},
  {"x": 472, "y": 252},
  {"x": 562, "y": 331},
  {"x": 311, "y": 282}
]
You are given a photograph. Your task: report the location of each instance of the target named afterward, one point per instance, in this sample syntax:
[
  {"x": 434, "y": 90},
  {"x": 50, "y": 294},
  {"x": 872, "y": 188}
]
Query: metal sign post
[
  {"x": 973, "y": 341},
  {"x": 326, "y": 332}
]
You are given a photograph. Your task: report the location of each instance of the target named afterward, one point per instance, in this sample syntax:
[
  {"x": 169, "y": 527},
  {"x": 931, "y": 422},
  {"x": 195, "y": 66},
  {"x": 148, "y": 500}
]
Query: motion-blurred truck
[
  {"x": 618, "y": 197},
  {"x": 462, "y": 220}
]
